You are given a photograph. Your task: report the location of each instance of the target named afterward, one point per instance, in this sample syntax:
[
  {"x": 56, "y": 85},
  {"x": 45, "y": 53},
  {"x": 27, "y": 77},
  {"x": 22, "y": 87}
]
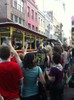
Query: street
[{"x": 69, "y": 93}]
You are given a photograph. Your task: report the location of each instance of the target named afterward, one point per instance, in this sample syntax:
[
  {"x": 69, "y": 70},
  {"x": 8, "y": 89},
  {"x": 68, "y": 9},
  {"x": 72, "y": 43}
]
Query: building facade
[
  {"x": 41, "y": 22},
  {"x": 13, "y": 10},
  {"x": 32, "y": 15}
]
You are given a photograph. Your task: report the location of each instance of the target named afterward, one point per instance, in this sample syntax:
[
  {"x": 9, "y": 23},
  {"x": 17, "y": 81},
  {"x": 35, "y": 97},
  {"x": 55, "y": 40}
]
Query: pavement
[{"x": 68, "y": 93}]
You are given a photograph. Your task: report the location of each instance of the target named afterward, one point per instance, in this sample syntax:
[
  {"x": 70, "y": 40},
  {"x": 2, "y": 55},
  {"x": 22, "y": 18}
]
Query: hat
[{"x": 39, "y": 45}]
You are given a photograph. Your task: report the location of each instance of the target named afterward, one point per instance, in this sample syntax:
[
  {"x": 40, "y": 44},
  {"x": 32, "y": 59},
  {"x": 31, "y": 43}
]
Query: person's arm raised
[
  {"x": 24, "y": 49},
  {"x": 14, "y": 51}
]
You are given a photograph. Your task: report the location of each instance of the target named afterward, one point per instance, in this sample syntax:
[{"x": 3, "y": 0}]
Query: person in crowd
[
  {"x": 40, "y": 56},
  {"x": 21, "y": 56},
  {"x": 11, "y": 76},
  {"x": 58, "y": 49},
  {"x": 65, "y": 54},
  {"x": 12, "y": 57},
  {"x": 71, "y": 68},
  {"x": 55, "y": 76},
  {"x": 23, "y": 52},
  {"x": 1, "y": 97},
  {"x": 49, "y": 54},
  {"x": 31, "y": 72}
]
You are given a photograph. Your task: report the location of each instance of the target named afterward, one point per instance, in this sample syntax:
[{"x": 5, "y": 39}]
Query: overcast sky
[{"x": 57, "y": 6}]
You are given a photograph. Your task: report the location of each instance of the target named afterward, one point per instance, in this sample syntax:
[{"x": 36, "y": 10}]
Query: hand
[
  {"x": 26, "y": 45},
  {"x": 1, "y": 98},
  {"x": 8, "y": 40}
]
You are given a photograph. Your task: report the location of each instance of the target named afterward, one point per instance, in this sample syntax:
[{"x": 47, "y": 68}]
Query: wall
[{"x": 29, "y": 19}]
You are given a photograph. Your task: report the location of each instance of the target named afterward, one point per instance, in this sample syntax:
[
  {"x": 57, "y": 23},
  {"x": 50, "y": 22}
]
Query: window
[
  {"x": 36, "y": 16},
  {"x": 22, "y": 6},
  {"x": 43, "y": 23},
  {"x": 12, "y": 17},
  {"x": 32, "y": 27},
  {"x": 32, "y": 14},
  {"x": 20, "y": 20},
  {"x": 16, "y": 19},
  {"x": 19, "y": 7},
  {"x": 11, "y": 2},
  {"x": 29, "y": 25},
  {"x": 24, "y": 22},
  {"x": 15, "y": 3},
  {"x": 39, "y": 20},
  {"x": 18, "y": 4},
  {"x": 36, "y": 28},
  {"x": 28, "y": 11}
]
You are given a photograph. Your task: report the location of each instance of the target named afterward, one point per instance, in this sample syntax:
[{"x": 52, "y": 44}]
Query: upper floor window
[
  {"x": 12, "y": 17},
  {"x": 28, "y": 11},
  {"x": 16, "y": 18},
  {"x": 36, "y": 28},
  {"x": 20, "y": 20},
  {"x": 43, "y": 23},
  {"x": 24, "y": 22},
  {"x": 39, "y": 20},
  {"x": 32, "y": 14},
  {"x": 11, "y": 2},
  {"x": 29, "y": 25},
  {"x": 18, "y": 4},
  {"x": 36, "y": 16},
  {"x": 32, "y": 27},
  {"x": 22, "y": 6},
  {"x": 15, "y": 3},
  {"x": 19, "y": 7}
]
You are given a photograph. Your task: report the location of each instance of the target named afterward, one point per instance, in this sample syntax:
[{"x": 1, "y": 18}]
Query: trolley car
[{"x": 20, "y": 35}]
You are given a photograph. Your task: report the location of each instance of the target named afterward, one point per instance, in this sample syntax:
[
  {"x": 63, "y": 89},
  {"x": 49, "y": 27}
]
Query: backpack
[{"x": 41, "y": 59}]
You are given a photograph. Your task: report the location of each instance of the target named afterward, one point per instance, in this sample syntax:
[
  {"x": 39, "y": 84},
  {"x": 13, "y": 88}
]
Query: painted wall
[{"x": 29, "y": 20}]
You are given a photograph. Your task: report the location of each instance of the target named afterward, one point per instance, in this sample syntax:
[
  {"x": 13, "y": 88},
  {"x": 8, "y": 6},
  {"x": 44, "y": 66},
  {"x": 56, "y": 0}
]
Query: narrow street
[{"x": 68, "y": 94}]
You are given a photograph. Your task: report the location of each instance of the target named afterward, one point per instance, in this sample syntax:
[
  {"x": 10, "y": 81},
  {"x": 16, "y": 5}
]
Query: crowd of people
[{"x": 20, "y": 77}]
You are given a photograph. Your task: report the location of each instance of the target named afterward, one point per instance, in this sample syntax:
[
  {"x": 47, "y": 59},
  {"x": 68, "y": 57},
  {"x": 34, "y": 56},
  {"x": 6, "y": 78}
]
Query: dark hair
[
  {"x": 65, "y": 47},
  {"x": 28, "y": 61},
  {"x": 4, "y": 52},
  {"x": 56, "y": 58},
  {"x": 57, "y": 49}
]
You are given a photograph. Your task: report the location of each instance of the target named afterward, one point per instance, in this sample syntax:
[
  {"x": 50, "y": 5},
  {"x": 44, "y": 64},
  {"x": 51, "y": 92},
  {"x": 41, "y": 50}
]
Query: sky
[{"x": 62, "y": 14}]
